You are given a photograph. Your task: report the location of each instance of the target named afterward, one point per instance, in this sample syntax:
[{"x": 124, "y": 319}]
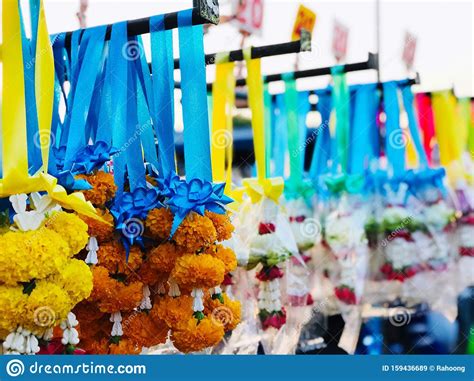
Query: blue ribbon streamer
[
  {"x": 197, "y": 151},
  {"x": 413, "y": 125},
  {"x": 83, "y": 93},
  {"x": 281, "y": 136},
  {"x": 394, "y": 138},
  {"x": 364, "y": 129},
  {"x": 163, "y": 91},
  {"x": 322, "y": 147}
]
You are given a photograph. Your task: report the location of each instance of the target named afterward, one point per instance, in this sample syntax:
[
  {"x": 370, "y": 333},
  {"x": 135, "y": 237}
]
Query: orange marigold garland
[{"x": 103, "y": 188}]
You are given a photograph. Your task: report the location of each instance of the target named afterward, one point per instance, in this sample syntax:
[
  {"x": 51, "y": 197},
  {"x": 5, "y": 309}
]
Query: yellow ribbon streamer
[
  {"x": 15, "y": 157},
  {"x": 447, "y": 133},
  {"x": 44, "y": 86},
  {"x": 261, "y": 186},
  {"x": 16, "y": 179},
  {"x": 223, "y": 98}
]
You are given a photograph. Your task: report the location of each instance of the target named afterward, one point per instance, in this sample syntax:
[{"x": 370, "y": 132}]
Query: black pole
[
  {"x": 302, "y": 45},
  {"x": 203, "y": 13},
  {"x": 370, "y": 63}
]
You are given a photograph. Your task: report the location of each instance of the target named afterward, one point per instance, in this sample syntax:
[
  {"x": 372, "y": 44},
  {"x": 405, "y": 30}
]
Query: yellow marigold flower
[
  {"x": 159, "y": 222},
  {"x": 173, "y": 311},
  {"x": 12, "y": 305},
  {"x": 223, "y": 225},
  {"x": 195, "y": 233},
  {"x": 76, "y": 279},
  {"x": 31, "y": 255},
  {"x": 163, "y": 258},
  {"x": 225, "y": 254},
  {"x": 47, "y": 305},
  {"x": 98, "y": 229},
  {"x": 198, "y": 271},
  {"x": 103, "y": 188},
  {"x": 193, "y": 337},
  {"x": 112, "y": 256},
  {"x": 143, "y": 330},
  {"x": 71, "y": 228}
]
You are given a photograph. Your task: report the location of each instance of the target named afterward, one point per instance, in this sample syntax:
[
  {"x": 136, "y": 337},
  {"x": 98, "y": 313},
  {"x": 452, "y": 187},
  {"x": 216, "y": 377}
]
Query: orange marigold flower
[
  {"x": 112, "y": 295},
  {"x": 228, "y": 313},
  {"x": 195, "y": 233},
  {"x": 221, "y": 222},
  {"x": 159, "y": 222},
  {"x": 98, "y": 229},
  {"x": 163, "y": 257},
  {"x": 94, "y": 346},
  {"x": 193, "y": 337},
  {"x": 124, "y": 347},
  {"x": 173, "y": 311},
  {"x": 143, "y": 330},
  {"x": 87, "y": 311},
  {"x": 103, "y": 189},
  {"x": 198, "y": 271},
  {"x": 112, "y": 256},
  {"x": 96, "y": 329},
  {"x": 225, "y": 254}
]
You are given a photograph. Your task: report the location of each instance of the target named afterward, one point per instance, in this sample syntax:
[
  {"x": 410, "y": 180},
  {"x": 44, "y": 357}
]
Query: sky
[{"x": 444, "y": 31}]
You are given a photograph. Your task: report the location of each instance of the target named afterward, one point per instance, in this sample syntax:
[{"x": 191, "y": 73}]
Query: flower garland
[
  {"x": 38, "y": 279},
  {"x": 152, "y": 283}
]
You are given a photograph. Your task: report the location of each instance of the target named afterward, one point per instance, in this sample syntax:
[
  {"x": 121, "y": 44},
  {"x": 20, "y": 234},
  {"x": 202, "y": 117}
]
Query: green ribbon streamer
[
  {"x": 352, "y": 184},
  {"x": 291, "y": 102},
  {"x": 341, "y": 103}
]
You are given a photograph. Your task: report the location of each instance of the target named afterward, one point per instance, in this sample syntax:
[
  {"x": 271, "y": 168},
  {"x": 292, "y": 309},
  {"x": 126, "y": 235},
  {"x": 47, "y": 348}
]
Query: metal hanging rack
[
  {"x": 204, "y": 12},
  {"x": 301, "y": 45}
]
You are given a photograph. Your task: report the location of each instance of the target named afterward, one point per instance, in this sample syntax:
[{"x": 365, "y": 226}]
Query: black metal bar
[
  {"x": 203, "y": 13},
  {"x": 302, "y": 45},
  {"x": 370, "y": 63}
]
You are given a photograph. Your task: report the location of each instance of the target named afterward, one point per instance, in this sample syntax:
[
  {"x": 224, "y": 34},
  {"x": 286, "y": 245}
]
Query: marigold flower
[
  {"x": 225, "y": 254},
  {"x": 112, "y": 256},
  {"x": 173, "y": 311},
  {"x": 159, "y": 222},
  {"x": 112, "y": 295},
  {"x": 228, "y": 313},
  {"x": 12, "y": 305},
  {"x": 124, "y": 347},
  {"x": 223, "y": 225},
  {"x": 195, "y": 336},
  {"x": 31, "y": 255},
  {"x": 103, "y": 188},
  {"x": 198, "y": 271},
  {"x": 71, "y": 228},
  {"x": 195, "y": 233},
  {"x": 98, "y": 229},
  {"x": 143, "y": 330},
  {"x": 163, "y": 257},
  {"x": 76, "y": 279}
]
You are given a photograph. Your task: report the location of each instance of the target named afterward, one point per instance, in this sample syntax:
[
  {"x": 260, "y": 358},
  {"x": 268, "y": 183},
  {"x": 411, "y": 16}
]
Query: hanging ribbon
[
  {"x": 364, "y": 142},
  {"x": 322, "y": 147},
  {"x": 15, "y": 162},
  {"x": 447, "y": 126},
  {"x": 465, "y": 114},
  {"x": 269, "y": 127},
  {"x": 341, "y": 103},
  {"x": 163, "y": 92},
  {"x": 395, "y": 138},
  {"x": 408, "y": 100},
  {"x": 197, "y": 152},
  {"x": 426, "y": 122},
  {"x": 223, "y": 91},
  {"x": 261, "y": 186},
  {"x": 280, "y": 140},
  {"x": 93, "y": 41}
]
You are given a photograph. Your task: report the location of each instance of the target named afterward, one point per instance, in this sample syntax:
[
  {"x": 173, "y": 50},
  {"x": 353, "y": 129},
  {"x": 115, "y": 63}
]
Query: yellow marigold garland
[{"x": 71, "y": 228}]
